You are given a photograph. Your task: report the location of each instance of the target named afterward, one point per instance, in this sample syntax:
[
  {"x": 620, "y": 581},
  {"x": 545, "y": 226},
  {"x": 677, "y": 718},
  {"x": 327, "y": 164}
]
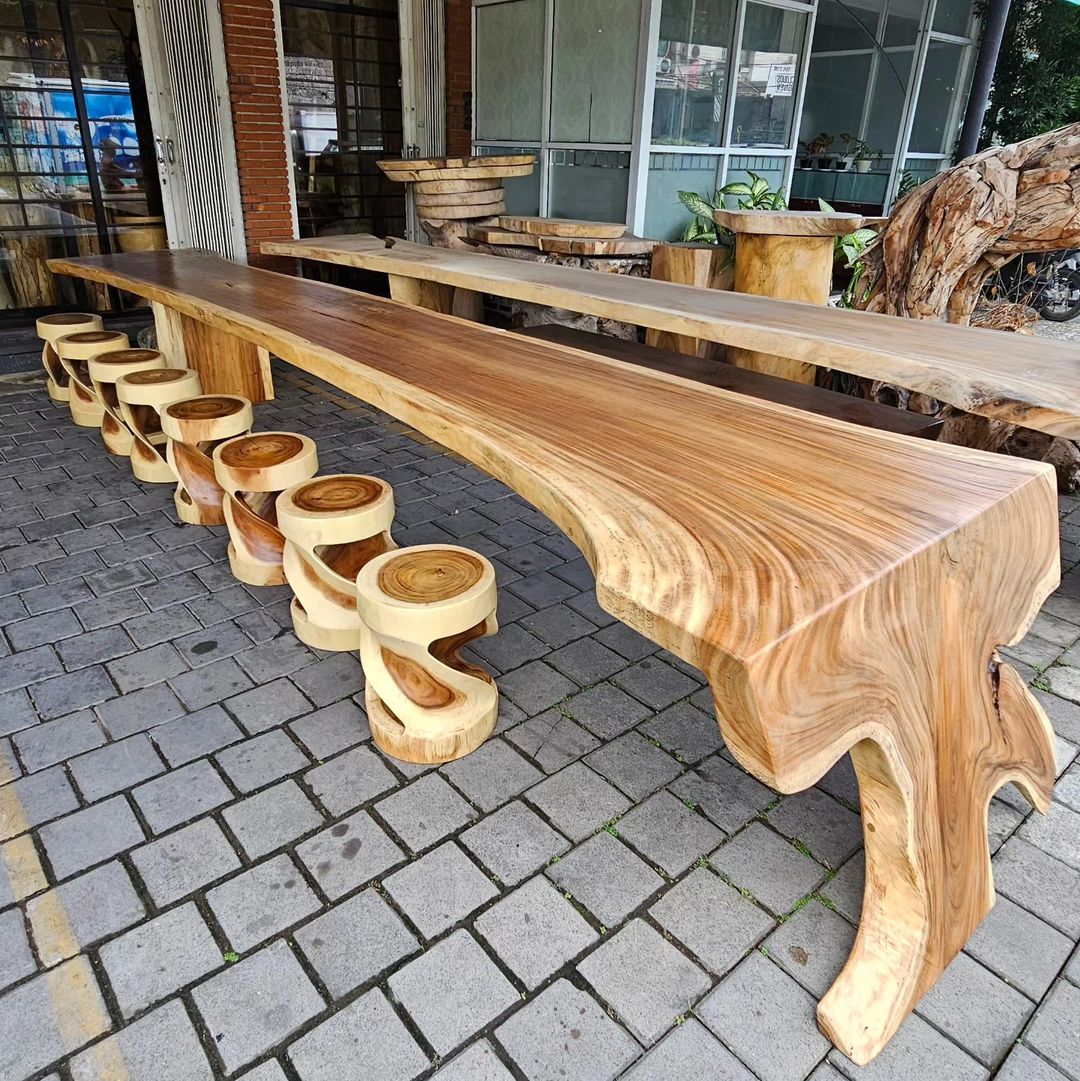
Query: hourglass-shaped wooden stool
[
  {"x": 141, "y": 395},
  {"x": 418, "y": 606},
  {"x": 332, "y": 526},
  {"x": 254, "y": 470},
  {"x": 75, "y": 351},
  {"x": 51, "y": 327},
  {"x": 194, "y": 427},
  {"x": 104, "y": 369}
]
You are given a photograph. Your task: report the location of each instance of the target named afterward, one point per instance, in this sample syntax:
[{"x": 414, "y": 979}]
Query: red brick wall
[
  {"x": 251, "y": 58},
  {"x": 458, "y": 76}
]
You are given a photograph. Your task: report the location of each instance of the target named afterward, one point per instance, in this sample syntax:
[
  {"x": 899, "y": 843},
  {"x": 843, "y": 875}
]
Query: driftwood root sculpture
[
  {"x": 50, "y": 328},
  {"x": 141, "y": 396},
  {"x": 75, "y": 352}
]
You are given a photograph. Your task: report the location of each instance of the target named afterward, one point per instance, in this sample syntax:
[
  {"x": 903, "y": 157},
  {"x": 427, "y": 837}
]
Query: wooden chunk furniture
[
  {"x": 705, "y": 266},
  {"x": 843, "y": 590},
  {"x": 332, "y": 527},
  {"x": 104, "y": 369},
  {"x": 141, "y": 395},
  {"x": 75, "y": 351},
  {"x": 253, "y": 470},
  {"x": 51, "y": 327},
  {"x": 194, "y": 427},
  {"x": 825, "y": 403},
  {"x": 1031, "y": 382},
  {"x": 418, "y": 606}
]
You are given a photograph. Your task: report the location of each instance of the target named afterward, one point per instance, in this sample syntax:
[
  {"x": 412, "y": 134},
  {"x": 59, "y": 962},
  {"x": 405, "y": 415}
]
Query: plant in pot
[
  {"x": 865, "y": 155},
  {"x": 757, "y": 195},
  {"x": 817, "y": 149}
]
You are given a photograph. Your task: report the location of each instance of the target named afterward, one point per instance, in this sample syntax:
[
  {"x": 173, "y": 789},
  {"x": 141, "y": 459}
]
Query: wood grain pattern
[
  {"x": 842, "y": 590},
  {"x": 489, "y": 172},
  {"x": 788, "y": 222},
  {"x": 480, "y": 197},
  {"x": 626, "y": 244},
  {"x": 462, "y": 212},
  {"x": 565, "y": 227},
  {"x": 704, "y": 266},
  {"x": 1035, "y": 383},
  {"x": 225, "y": 364},
  {"x": 466, "y": 165}
]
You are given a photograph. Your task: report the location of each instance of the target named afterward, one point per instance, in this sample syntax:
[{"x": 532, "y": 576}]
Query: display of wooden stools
[
  {"x": 254, "y": 470},
  {"x": 104, "y": 369},
  {"x": 194, "y": 427},
  {"x": 418, "y": 606},
  {"x": 141, "y": 396},
  {"x": 332, "y": 526},
  {"x": 51, "y": 327},
  {"x": 75, "y": 351}
]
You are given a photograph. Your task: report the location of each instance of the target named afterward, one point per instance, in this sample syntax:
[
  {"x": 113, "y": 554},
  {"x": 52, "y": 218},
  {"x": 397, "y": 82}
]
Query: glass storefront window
[
  {"x": 691, "y": 72},
  {"x": 665, "y": 216},
  {"x": 935, "y": 118},
  {"x": 594, "y": 72},
  {"x": 510, "y": 71},
  {"x": 769, "y": 53},
  {"x": 952, "y": 17},
  {"x": 590, "y": 185},
  {"x": 522, "y": 192}
]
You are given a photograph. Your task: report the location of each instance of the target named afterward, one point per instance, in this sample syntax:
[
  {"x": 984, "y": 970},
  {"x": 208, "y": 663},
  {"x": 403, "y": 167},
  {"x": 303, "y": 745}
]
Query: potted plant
[
  {"x": 817, "y": 150},
  {"x": 865, "y": 155}
]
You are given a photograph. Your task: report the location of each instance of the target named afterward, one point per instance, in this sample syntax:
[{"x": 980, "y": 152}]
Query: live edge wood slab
[
  {"x": 843, "y": 590},
  {"x": 1026, "y": 381}
]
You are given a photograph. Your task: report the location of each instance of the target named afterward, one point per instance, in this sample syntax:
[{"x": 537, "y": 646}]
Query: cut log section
[
  {"x": 623, "y": 245},
  {"x": 418, "y": 606},
  {"x": 194, "y": 427},
  {"x": 480, "y": 197},
  {"x": 253, "y": 470},
  {"x": 75, "y": 351},
  {"x": 482, "y": 161},
  {"x": 104, "y": 369},
  {"x": 493, "y": 234},
  {"x": 704, "y": 266},
  {"x": 141, "y": 396},
  {"x": 565, "y": 227},
  {"x": 50, "y": 328},
  {"x": 479, "y": 173},
  {"x": 449, "y": 187},
  {"x": 332, "y": 527},
  {"x": 461, "y": 213}
]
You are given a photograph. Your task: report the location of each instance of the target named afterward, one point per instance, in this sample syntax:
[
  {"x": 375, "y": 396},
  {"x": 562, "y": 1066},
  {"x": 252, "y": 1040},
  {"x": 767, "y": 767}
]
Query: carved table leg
[
  {"x": 332, "y": 526},
  {"x": 418, "y": 607},
  {"x": 194, "y": 427},
  {"x": 141, "y": 396},
  {"x": 51, "y": 327},
  {"x": 104, "y": 370},
  {"x": 254, "y": 470},
  {"x": 75, "y": 351}
]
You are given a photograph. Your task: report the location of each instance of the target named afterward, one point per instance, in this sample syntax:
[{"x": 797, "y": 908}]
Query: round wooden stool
[
  {"x": 418, "y": 606},
  {"x": 254, "y": 470},
  {"x": 194, "y": 427},
  {"x": 75, "y": 351},
  {"x": 141, "y": 396},
  {"x": 51, "y": 327},
  {"x": 332, "y": 526},
  {"x": 104, "y": 369}
]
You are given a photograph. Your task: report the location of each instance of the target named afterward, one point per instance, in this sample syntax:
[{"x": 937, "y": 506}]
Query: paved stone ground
[{"x": 211, "y": 872}]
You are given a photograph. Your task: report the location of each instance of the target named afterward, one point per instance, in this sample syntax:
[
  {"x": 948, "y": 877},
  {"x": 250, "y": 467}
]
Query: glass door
[{"x": 77, "y": 169}]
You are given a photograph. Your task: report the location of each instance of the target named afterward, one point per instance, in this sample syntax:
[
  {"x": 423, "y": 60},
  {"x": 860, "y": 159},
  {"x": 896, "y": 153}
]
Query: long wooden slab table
[
  {"x": 843, "y": 590},
  {"x": 1023, "y": 380}
]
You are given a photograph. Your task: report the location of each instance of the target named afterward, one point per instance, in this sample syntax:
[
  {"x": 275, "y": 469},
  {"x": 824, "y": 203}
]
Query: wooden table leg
[
  {"x": 225, "y": 363},
  {"x": 436, "y": 297}
]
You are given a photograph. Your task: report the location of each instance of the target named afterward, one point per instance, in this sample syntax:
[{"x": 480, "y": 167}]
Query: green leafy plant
[
  {"x": 908, "y": 183},
  {"x": 864, "y": 151},
  {"x": 757, "y": 195},
  {"x": 848, "y": 249}
]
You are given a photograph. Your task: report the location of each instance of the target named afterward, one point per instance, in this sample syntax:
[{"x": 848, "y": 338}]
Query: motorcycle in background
[{"x": 1049, "y": 282}]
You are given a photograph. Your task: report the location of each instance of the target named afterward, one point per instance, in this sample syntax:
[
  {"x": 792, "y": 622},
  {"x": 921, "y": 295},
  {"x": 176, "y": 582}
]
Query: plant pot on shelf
[
  {"x": 141, "y": 233},
  {"x": 862, "y": 165}
]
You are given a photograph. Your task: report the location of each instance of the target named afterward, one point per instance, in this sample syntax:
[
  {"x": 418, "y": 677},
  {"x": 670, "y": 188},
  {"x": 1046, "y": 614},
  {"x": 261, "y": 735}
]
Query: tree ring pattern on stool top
[
  {"x": 430, "y": 575},
  {"x": 127, "y": 356},
  {"x": 67, "y": 319},
  {"x": 206, "y": 407},
  {"x": 154, "y": 376},
  {"x": 260, "y": 450},
  {"x": 90, "y": 337},
  {"x": 338, "y": 493}
]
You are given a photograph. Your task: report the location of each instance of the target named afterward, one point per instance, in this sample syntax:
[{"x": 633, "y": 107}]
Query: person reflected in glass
[{"x": 110, "y": 172}]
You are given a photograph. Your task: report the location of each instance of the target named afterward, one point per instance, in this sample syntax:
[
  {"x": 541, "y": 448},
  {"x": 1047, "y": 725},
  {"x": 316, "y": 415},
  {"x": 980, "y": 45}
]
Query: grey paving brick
[
  {"x": 60, "y": 595},
  {"x": 93, "y": 647},
  {"x": 452, "y": 991},
  {"x": 258, "y": 903},
  {"x": 18, "y": 961},
  {"x": 577, "y": 800},
  {"x": 606, "y": 877},
  {"x": 159, "y": 957},
  {"x": 1041, "y": 884},
  {"x": 185, "y": 861},
  {"x": 261, "y": 760},
  {"x": 727, "y": 794},
  {"x": 491, "y": 775},
  {"x": 712, "y": 920},
  {"x": 139, "y": 711},
  {"x": 171, "y": 590},
  {"x": 439, "y": 889},
  {"x": 541, "y": 589},
  {"x": 271, "y": 819},
  {"x": 181, "y": 795},
  {"x": 812, "y": 946},
  {"x": 535, "y": 687},
  {"x": 206, "y": 646},
  {"x": 586, "y": 661},
  {"x": 685, "y": 732},
  {"x": 35, "y": 799},
  {"x": 478, "y": 1063},
  {"x": 152, "y": 628},
  {"x": 256, "y": 1003},
  {"x": 62, "y": 695},
  {"x": 689, "y": 1053},
  {"x": 162, "y": 1046},
  {"x": 184, "y": 739},
  {"x": 426, "y": 811},
  {"x": 35, "y": 1020},
  {"x": 269, "y": 1071},
  {"x": 90, "y": 836},
  {"x": 1056, "y": 833},
  {"x": 115, "y": 767},
  {"x": 606, "y": 711},
  {"x": 370, "y": 1025},
  {"x": 349, "y": 780},
  {"x": 634, "y": 765},
  {"x": 279, "y": 657},
  {"x": 1053, "y": 1032},
  {"x": 535, "y": 1037},
  {"x": 214, "y": 682},
  {"x": 513, "y": 842},
  {"x": 556, "y": 625},
  {"x": 354, "y": 941},
  {"x": 330, "y": 679},
  {"x": 111, "y": 609},
  {"x": 42, "y": 630},
  {"x": 1064, "y": 715},
  {"x": 1025, "y": 1065},
  {"x": 332, "y": 729},
  {"x": 267, "y": 706},
  {"x": 666, "y": 832},
  {"x": 552, "y": 739},
  {"x": 512, "y": 647},
  {"x": 349, "y": 854},
  {"x": 56, "y": 741},
  {"x": 655, "y": 683},
  {"x": 16, "y": 712},
  {"x": 148, "y": 666}
]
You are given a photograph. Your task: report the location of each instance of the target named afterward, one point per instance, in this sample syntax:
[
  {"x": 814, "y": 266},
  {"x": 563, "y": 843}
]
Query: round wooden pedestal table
[
  {"x": 332, "y": 527},
  {"x": 75, "y": 351},
  {"x": 418, "y": 606},
  {"x": 104, "y": 369},
  {"x": 141, "y": 396},
  {"x": 51, "y": 327},
  {"x": 253, "y": 470},
  {"x": 194, "y": 427}
]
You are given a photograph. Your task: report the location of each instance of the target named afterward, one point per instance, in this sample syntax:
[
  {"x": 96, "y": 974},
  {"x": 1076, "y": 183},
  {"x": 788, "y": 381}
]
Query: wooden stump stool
[
  {"x": 104, "y": 369},
  {"x": 254, "y": 470},
  {"x": 75, "y": 351},
  {"x": 418, "y": 606},
  {"x": 332, "y": 527},
  {"x": 51, "y": 327},
  {"x": 141, "y": 396},
  {"x": 194, "y": 427}
]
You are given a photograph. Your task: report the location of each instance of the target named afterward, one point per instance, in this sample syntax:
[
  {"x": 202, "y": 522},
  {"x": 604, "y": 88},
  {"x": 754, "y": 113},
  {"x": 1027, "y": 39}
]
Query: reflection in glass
[
  {"x": 510, "y": 70},
  {"x": 952, "y": 17},
  {"x": 522, "y": 192},
  {"x": 665, "y": 216},
  {"x": 589, "y": 185},
  {"x": 933, "y": 131}
]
